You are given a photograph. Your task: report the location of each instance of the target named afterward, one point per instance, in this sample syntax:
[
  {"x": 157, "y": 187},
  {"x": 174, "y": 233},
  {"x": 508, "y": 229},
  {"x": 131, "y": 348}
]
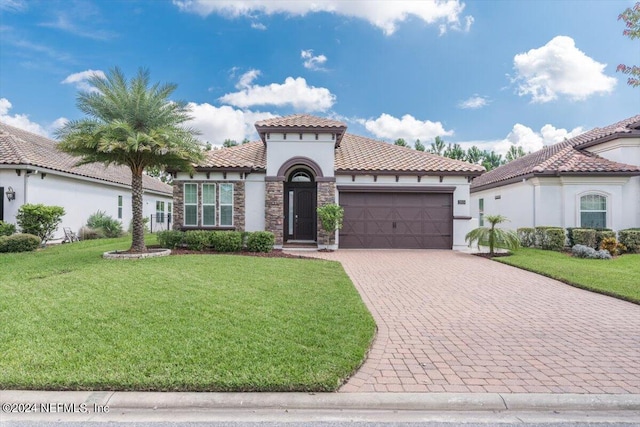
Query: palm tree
[
  {"x": 133, "y": 124},
  {"x": 492, "y": 236}
]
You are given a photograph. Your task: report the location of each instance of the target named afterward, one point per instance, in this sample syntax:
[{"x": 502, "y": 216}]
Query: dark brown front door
[
  {"x": 300, "y": 211},
  {"x": 397, "y": 220}
]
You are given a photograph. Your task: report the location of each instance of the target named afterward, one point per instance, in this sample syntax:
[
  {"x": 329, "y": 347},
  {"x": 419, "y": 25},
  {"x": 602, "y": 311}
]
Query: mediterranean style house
[
  {"x": 591, "y": 180},
  {"x": 393, "y": 197},
  {"x": 33, "y": 170}
]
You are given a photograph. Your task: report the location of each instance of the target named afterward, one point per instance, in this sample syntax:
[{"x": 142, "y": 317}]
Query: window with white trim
[
  {"x": 481, "y": 212},
  {"x": 159, "y": 212},
  {"x": 191, "y": 204},
  {"x": 226, "y": 204},
  {"x": 119, "y": 207},
  {"x": 593, "y": 211},
  {"x": 208, "y": 205}
]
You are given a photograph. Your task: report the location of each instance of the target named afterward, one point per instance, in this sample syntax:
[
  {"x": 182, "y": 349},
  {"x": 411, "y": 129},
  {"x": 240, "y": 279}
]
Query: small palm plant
[{"x": 492, "y": 236}]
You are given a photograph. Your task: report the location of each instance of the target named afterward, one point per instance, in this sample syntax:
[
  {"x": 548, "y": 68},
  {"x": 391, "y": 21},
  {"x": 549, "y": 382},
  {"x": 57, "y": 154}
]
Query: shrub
[
  {"x": 226, "y": 241},
  {"x": 101, "y": 221},
  {"x": 527, "y": 236},
  {"x": 630, "y": 238},
  {"x": 260, "y": 241},
  {"x": 582, "y": 251},
  {"x": 197, "y": 240},
  {"x": 6, "y": 229},
  {"x": 570, "y": 236},
  {"x": 39, "y": 220},
  {"x": 550, "y": 238},
  {"x": 604, "y": 234},
  {"x": 170, "y": 239},
  {"x": 611, "y": 245},
  {"x": 584, "y": 236},
  {"x": 19, "y": 243},
  {"x": 88, "y": 233},
  {"x": 331, "y": 216},
  {"x": 493, "y": 237}
]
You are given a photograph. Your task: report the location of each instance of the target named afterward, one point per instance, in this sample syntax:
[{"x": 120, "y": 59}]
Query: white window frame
[
  {"x": 185, "y": 204},
  {"x": 607, "y": 198},
  {"x": 481, "y": 212},
  {"x": 215, "y": 210},
  {"x": 220, "y": 204},
  {"x": 160, "y": 211}
]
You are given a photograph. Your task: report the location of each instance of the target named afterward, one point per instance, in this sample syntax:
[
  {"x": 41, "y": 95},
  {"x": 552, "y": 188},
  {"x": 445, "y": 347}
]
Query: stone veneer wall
[
  {"x": 238, "y": 203},
  {"x": 274, "y": 210},
  {"x": 326, "y": 195}
]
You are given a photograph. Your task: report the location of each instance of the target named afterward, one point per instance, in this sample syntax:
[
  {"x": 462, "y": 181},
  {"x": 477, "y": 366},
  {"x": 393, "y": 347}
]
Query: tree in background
[
  {"x": 474, "y": 155},
  {"x": 229, "y": 143},
  {"x": 515, "y": 152},
  {"x": 455, "y": 151},
  {"x": 132, "y": 124},
  {"x": 631, "y": 18},
  {"x": 419, "y": 146},
  {"x": 437, "y": 147},
  {"x": 400, "y": 142},
  {"x": 492, "y": 160}
]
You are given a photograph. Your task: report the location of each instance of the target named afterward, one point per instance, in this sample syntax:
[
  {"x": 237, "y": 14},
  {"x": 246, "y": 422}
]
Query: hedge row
[
  {"x": 553, "y": 238},
  {"x": 19, "y": 243},
  {"x": 220, "y": 241}
]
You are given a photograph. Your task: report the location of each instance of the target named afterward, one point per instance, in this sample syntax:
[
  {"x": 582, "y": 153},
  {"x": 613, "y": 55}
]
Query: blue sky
[{"x": 489, "y": 73}]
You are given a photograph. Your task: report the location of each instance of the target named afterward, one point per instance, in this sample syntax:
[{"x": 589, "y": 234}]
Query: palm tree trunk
[{"x": 137, "y": 241}]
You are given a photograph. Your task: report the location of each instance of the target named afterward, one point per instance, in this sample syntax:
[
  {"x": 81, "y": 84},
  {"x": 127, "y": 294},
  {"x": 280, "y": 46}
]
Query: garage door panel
[{"x": 397, "y": 220}]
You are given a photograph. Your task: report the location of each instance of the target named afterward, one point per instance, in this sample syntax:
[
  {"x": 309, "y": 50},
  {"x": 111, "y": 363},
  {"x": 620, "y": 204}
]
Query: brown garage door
[{"x": 397, "y": 220}]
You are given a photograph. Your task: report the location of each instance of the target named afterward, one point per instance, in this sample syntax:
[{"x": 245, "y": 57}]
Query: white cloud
[
  {"x": 473, "y": 103},
  {"x": 247, "y": 78},
  {"x": 258, "y": 26},
  {"x": 560, "y": 68},
  {"x": 312, "y": 62},
  {"x": 13, "y": 5},
  {"x": 385, "y": 15},
  {"x": 407, "y": 127},
  {"x": 80, "y": 79},
  {"x": 219, "y": 123},
  {"x": 22, "y": 121},
  {"x": 294, "y": 92},
  {"x": 526, "y": 138}
]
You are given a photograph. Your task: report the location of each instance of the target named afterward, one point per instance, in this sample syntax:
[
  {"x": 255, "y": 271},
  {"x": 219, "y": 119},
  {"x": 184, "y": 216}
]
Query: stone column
[
  {"x": 326, "y": 195},
  {"x": 178, "y": 205},
  {"x": 274, "y": 210},
  {"x": 239, "y": 214}
]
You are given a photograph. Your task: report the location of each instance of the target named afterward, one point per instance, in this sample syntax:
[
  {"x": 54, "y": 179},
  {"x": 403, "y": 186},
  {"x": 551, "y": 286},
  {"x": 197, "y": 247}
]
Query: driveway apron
[{"x": 454, "y": 322}]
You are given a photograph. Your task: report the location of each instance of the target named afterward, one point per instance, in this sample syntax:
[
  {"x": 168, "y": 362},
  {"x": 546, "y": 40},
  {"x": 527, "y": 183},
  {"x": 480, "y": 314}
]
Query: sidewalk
[{"x": 108, "y": 406}]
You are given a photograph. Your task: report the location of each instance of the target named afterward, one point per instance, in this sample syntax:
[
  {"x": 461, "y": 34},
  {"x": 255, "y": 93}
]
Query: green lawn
[
  {"x": 70, "y": 320},
  {"x": 619, "y": 277}
]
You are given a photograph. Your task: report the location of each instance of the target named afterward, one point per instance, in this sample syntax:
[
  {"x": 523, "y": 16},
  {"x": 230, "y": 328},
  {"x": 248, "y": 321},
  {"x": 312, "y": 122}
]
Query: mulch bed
[
  {"x": 276, "y": 253},
  {"x": 489, "y": 256}
]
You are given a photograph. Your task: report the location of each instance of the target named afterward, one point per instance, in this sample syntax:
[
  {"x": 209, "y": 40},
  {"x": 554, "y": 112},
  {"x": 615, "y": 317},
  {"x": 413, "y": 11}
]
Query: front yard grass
[
  {"x": 70, "y": 320},
  {"x": 619, "y": 277}
]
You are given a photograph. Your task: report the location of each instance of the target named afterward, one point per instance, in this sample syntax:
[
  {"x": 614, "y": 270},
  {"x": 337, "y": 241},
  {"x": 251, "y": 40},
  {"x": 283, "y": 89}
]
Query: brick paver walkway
[{"x": 453, "y": 322}]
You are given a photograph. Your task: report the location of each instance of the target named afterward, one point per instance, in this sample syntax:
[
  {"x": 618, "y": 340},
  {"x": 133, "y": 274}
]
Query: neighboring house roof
[
  {"x": 568, "y": 157},
  {"x": 355, "y": 154},
  {"x": 305, "y": 122},
  {"x": 19, "y": 147}
]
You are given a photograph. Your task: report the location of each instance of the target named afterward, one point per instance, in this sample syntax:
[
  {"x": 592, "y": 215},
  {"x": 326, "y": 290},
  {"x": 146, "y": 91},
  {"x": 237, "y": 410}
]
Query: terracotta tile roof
[
  {"x": 300, "y": 121},
  {"x": 19, "y": 147},
  {"x": 355, "y": 154},
  {"x": 566, "y": 157},
  {"x": 250, "y": 155}
]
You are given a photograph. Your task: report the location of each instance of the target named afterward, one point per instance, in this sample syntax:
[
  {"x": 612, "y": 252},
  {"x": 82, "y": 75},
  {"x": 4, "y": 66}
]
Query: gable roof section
[
  {"x": 19, "y": 147},
  {"x": 298, "y": 122},
  {"x": 568, "y": 157},
  {"x": 356, "y": 154}
]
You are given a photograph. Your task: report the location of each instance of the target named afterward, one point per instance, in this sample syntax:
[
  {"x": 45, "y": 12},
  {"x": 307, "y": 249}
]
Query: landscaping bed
[{"x": 74, "y": 321}]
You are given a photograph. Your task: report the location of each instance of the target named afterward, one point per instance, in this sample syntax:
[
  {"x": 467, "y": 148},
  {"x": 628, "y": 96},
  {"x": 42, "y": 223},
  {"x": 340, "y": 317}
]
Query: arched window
[
  {"x": 593, "y": 211},
  {"x": 300, "y": 175}
]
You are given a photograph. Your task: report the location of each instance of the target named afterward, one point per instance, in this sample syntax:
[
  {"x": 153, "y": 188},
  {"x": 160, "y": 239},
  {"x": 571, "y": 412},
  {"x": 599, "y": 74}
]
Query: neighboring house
[
  {"x": 591, "y": 180},
  {"x": 35, "y": 171},
  {"x": 393, "y": 197}
]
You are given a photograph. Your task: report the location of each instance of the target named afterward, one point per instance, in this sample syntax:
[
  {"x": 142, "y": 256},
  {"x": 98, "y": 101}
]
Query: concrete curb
[{"x": 333, "y": 401}]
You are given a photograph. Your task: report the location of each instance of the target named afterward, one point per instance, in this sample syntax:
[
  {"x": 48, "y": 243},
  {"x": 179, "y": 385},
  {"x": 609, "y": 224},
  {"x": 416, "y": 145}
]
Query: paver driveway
[{"x": 453, "y": 322}]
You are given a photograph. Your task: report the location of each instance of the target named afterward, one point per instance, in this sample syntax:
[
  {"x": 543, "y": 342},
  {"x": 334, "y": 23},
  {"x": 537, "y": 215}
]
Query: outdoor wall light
[{"x": 11, "y": 195}]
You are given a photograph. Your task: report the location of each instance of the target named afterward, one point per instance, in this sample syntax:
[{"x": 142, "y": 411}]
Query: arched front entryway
[{"x": 300, "y": 201}]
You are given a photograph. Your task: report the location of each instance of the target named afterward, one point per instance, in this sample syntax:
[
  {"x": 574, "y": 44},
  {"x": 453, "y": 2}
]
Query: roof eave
[
  {"x": 407, "y": 172},
  {"x": 618, "y": 135}
]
